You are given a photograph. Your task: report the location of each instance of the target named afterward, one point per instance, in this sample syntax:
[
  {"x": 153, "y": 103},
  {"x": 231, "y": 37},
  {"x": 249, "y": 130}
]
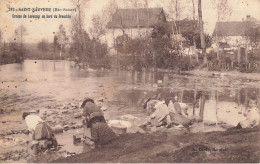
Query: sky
[{"x": 45, "y": 28}]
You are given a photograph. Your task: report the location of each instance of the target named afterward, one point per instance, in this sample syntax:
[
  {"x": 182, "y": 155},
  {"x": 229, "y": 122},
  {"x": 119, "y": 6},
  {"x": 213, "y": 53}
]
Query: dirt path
[{"x": 178, "y": 146}]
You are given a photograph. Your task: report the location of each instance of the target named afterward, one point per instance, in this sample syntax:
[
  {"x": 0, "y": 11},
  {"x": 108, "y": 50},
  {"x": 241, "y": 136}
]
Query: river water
[{"x": 58, "y": 85}]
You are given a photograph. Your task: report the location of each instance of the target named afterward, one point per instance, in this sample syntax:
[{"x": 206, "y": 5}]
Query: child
[{"x": 251, "y": 116}]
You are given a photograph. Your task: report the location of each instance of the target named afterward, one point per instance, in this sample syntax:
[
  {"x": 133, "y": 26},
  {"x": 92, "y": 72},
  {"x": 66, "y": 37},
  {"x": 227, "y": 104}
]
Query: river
[{"x": 60, "y": 86}]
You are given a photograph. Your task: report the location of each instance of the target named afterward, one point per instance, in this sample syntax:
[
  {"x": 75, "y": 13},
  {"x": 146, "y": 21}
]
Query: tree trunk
[
  {"x": 195, "y": 27},
  {"x": 193, "y": 7},
  {"x": 217, "y": 42},
  {"x": 202, "y": 39},
  {"x": 246, "y": 54},
  {"x": 217, "y": 106},
  {"x": 239, "y": 55},
  {"x": 60, "y": 50},
  {"x": 138, "y": 26}
]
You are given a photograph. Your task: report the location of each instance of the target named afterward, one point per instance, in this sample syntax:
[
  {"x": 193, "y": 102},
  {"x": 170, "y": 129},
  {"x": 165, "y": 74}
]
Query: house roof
[
  {"x": 235, "y": 28},
  {"x": 230, "y": 28},
  {"x": 132, "y": 18},
  {"x": 181, "y": 26}
]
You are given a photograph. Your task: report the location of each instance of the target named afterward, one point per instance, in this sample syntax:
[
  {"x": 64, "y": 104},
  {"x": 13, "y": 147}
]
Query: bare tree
[
  {"x": 108, "y": 12},
  {"x": 174, "y": 12},
  {"x": 174, "y": 9},
  {"x": 98, "y": 28},
  {"x": 193, "y": 10},
  {"x": 1, "y": 35},
  {"x": 16, "y": 43},
  {"x": 1, "y": 38},
  {"x": 81, "y": 7},
  {"x": 202, "y": 38},
  {"x": 43, "y": 45},
  {"x": 133, "y": 3},
  {"x": 62, "y": 37},
  {"x": 78, "y": 24},
  {"x": 19, "y": 34},
  {"x": 55, "y": 43},
  {"x": 223, "y": 12}
]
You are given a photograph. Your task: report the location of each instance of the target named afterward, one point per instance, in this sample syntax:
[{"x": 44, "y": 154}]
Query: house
[
  {"x": 234, "y": 33},
  {"x": 134, "y": 22}
]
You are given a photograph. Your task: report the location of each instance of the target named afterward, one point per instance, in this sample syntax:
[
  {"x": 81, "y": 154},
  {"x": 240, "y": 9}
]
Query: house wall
[{"x": 234, "y": 41}]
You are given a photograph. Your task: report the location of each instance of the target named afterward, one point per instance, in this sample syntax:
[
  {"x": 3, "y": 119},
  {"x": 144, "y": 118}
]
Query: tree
[
  {"x": 1, "y": 38},
  {"x": 81, "y": 6},
  {"x": 43, "y": 45},
  {"x": 175, "y": 10},
  {"x": 55, "y": 43},
  {"x": 108, "y": 12},
  {"x": 77, "y": 29},
  {"x": 80, "y": 49},
  {"x": 202, "y": 38},
  {"x": 98, "y": 28},
  {"x": 62, "y": 38},
  {"x": 193, "y": 10},
  {"x": 223, "y": 11},
  {"x": 253, "y": 35},
  {"x": 19, "y": 34},
  {"x": 16, "y": 44},
  {"x": 133, "y": 3}
]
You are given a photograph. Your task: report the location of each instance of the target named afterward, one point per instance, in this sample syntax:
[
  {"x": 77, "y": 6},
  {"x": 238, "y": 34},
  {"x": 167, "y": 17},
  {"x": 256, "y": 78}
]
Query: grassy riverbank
[{"x": 237, "y": 145}]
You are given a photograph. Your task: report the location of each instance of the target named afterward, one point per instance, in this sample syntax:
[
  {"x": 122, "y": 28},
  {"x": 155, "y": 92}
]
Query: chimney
[{"x": 248, "y": 16}]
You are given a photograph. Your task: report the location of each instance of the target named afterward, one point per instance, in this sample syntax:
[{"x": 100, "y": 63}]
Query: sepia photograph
[{"x": 129, "y": 81}]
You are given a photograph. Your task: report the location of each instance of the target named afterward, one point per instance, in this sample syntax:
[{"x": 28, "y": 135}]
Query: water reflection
[
  {"x": 36, "y": 84},
  {"x": 66, "y": 77},
  {"x": 63, "y": 77}
]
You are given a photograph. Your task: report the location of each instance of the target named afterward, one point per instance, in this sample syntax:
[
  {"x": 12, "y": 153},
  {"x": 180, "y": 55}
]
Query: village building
[
  {"x": 140, "y": 22},
  {"x": 233, "y": 36},
  {"x": 234, "y": 33},
  {"x": 134, "y": 23}
]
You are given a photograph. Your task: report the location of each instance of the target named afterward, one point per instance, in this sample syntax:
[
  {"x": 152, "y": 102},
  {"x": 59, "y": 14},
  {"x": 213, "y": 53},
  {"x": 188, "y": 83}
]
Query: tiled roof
[
  {"x": 235, "y": 28},
  {"x": 132, "y": 18}
]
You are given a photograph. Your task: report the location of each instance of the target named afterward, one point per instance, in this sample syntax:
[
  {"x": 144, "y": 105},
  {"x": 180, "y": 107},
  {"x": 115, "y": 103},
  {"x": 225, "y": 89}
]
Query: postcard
[{"x": 138, "y": 81}]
